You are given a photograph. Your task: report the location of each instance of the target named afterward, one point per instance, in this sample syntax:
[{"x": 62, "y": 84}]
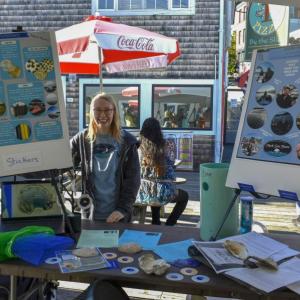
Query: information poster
[
  {"x": 180, "y": 147},
  {"x": 171, "y": 145},
  {"x": 185, "y": 152},
  {"x": 267, "y": 147},
  {"x": 33, "y": 129}
]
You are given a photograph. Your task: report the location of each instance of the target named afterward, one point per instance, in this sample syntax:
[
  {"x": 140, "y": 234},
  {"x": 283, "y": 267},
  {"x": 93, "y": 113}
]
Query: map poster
[
  {"x": 267, "y": 147},
  {"x": 33, "y": 129}
]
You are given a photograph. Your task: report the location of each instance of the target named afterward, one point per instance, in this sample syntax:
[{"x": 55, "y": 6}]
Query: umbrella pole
[{"x": 100, "y": 70}]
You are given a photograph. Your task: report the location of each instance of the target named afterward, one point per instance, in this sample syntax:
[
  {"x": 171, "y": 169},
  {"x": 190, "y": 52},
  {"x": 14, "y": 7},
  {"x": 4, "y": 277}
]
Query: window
[
  {"x": 244, "y": 13},
  {"x": 244, "y": 30},
  {"x": 235, "y": 99},
  {"x": 295, "y": 13},
  {"x": 106, "y": 4},
  {"x": 239, "y": 37},
  {"x": 127, "y": 99},
  {"x": 240, "y": 16},
  {"x": 143, "y": 7},
  {"x": 180, "y": 3},
  {"x": 183, "y": 107}
]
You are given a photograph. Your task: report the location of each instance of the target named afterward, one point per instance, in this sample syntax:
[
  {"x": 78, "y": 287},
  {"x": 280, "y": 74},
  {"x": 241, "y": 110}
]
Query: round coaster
[
  {"x": 125, "y": 259},
  {"x": 200, "y": 278},
  {"x": 189, "y": 271},
  {"x": 130, "y": 270},
  {"x": 52, "y": 260},
  {"x": 174, "y": 276},
  {"x": 110, "y": 255}
]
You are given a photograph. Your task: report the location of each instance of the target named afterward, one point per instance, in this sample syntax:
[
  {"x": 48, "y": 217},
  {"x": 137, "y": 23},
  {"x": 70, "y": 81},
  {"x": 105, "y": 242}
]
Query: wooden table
[{"x": 218, "y": 285}]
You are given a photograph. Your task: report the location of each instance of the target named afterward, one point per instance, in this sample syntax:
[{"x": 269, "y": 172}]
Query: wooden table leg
[{"x": 143, "y": 211}]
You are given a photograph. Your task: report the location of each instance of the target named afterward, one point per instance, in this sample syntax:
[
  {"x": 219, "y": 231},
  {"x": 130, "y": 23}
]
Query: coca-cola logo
[{"x": 140, "y": 44}]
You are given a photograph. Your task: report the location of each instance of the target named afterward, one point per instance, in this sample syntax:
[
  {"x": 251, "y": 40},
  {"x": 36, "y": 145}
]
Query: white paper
[
  {"x": 284, "y": 253},
  {"x": 258, "y": 244},
  {"x": 267, "y": 280}
]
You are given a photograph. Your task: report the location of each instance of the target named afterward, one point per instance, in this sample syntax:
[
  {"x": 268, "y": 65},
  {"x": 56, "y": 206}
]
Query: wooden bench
[{"x": 140, "y": 210}]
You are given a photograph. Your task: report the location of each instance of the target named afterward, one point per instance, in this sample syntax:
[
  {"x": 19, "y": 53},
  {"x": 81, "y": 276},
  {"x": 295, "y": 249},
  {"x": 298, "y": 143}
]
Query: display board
[
  {"x": 180, "y": 146},
  {"x": 266, "y": 153},
  {"x": 33, "y": 128}
]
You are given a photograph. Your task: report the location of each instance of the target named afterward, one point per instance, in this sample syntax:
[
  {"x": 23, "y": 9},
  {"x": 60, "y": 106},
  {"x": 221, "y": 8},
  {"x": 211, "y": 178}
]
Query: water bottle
[{"x": 246, "y": 213}]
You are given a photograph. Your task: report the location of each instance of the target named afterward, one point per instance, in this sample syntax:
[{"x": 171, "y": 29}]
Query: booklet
[{"x": 83, "y": 260}]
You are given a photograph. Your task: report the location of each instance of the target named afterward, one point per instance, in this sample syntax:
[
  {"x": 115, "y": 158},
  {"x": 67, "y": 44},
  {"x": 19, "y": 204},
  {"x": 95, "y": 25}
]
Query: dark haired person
[
  {"x": 109, "y": 162},
  {"x": 157, "y": 174}
]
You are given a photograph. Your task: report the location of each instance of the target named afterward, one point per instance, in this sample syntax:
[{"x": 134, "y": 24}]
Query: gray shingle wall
[{"x": 198, "y": 36}]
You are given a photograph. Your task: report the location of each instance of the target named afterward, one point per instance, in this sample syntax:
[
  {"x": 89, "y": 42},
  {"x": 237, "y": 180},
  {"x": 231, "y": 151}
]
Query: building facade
[{"x": 187, "y": 97}]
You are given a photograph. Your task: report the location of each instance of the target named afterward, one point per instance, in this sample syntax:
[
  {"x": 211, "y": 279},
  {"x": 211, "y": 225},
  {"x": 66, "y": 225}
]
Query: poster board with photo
[
  {"x": 180, "y": 147},
  {"x": 33, "y": 126},
  {"x": 34, "y": 199},
  {"x": 267, "y": 146}
]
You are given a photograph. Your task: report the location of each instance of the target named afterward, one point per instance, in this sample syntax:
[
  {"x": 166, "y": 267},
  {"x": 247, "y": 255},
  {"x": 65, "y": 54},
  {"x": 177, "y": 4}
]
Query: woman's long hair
[
  {"x": 153, "y": 146},
  {"x": 115, "y": 129}
]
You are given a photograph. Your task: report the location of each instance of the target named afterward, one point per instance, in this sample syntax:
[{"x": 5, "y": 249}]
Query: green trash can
[{"x": 215, "y": 199}]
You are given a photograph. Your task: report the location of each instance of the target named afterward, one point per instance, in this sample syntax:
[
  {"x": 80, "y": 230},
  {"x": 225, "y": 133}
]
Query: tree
[{"x": 232, "y": 61}]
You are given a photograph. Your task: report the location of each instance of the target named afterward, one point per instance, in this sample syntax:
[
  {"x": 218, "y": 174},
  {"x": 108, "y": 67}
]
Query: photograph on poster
[
  {"x": 265, "y": 94},
  {"x": 264, "y": 72},
  {"x": 268, "y": 138},
  {"x": 288, "y": 96}
]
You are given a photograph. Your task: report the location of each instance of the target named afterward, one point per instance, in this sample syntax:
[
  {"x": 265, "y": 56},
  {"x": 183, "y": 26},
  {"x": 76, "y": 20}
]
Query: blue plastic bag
[{"x": 36, "y": 248}]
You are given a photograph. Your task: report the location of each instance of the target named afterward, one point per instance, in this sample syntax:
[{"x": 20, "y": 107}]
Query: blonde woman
[{"x": 109, "y": 162}]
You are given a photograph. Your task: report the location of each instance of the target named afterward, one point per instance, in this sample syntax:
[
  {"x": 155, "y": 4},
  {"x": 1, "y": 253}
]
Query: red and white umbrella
[{"x": 118, "y": 47}]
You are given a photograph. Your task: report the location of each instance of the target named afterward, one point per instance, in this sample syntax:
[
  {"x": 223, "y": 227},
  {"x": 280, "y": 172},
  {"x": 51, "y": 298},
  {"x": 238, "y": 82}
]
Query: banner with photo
[
  {"x": 180, "y": 147},
  {"x": 33, "y": 125},
  {"x": 267, "y": 146},
  {"x": 185, "y": 151},
  {"x": 267, "y": 26},
  {"x": 172, "y": 145}
]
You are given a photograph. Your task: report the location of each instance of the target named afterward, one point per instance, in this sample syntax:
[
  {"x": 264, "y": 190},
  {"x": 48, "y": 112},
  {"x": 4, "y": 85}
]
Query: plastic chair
[{"x": 103, "y": 290}]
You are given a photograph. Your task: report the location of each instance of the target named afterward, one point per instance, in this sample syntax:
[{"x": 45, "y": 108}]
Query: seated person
[{"x": 157, "y": 174}]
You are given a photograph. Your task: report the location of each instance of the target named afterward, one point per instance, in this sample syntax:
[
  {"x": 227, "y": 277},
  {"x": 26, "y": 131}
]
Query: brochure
[
  {"x": 84, "y": 260},
  {"x": 98, "y": 238}
]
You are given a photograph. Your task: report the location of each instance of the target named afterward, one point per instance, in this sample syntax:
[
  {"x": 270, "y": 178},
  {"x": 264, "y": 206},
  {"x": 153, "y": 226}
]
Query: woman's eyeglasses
[{"x": 104, "y": 111}]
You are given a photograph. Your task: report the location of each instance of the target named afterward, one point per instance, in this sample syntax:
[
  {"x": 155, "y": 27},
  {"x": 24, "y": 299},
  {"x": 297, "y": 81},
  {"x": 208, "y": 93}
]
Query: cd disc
[
  {"x": 109, "y": 255},
  {"x": 200, "y": 278},
  {"x": 130, "y": 270},
  {"x": 174, "y": 276},
  {"x": 125, "y": 259},
  {"x": 189, "y": 271},
  {"x": 53, "y": 260}
]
